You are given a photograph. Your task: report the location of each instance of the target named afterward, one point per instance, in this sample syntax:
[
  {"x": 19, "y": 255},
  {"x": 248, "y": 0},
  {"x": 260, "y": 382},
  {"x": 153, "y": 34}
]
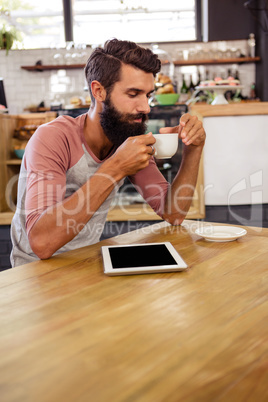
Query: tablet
[{"x": 141, "y": 259}]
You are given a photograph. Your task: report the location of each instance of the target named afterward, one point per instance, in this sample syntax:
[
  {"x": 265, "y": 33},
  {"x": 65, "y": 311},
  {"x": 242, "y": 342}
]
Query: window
[
  {"x": 136, "y": 20},
  {"x": 41, "y": 23}
]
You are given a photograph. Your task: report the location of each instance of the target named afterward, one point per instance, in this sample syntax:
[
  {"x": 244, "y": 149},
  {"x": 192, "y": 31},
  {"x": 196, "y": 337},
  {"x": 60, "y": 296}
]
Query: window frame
[{"x": 68, "y": 22}]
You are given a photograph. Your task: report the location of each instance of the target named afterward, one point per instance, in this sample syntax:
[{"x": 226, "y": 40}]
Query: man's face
[
  {"x": 119, "y": 126},
  {"x": 125, "y": 110}
]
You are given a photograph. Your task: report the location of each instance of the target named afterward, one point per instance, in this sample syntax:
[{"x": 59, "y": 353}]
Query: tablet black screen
[{"x": 141, "y": 256}]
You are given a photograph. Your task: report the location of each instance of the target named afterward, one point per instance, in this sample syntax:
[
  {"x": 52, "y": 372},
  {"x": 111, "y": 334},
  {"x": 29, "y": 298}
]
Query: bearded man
[{"x": 73, "y": 167}]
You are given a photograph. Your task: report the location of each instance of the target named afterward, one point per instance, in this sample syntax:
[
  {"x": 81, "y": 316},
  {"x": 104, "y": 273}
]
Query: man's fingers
[
  {"x": 149, "y": 139},
  {"x": 145, "y": 139},
  {"x": 166, "y": 130},
  {"x": 192, "y": 126},
  {"x": 190, "y": 130},
  {"x": 197, "y": 138},
  {"x": 185, "y": 118}
]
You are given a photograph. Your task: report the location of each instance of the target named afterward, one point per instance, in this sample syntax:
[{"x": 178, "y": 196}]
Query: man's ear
[{"x": 98, "y": 91}]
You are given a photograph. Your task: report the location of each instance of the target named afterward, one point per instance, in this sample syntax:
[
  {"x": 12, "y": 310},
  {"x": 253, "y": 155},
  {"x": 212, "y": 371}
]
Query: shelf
[
  {"x": 10, "y": 164},
  {"x": 177, "y": 63},
  {"x": 237, "y": 60},
  {"x": 6, "y": 217},
  {"x": 13, "y": 162},
  {"x": 53, "y": 67}
]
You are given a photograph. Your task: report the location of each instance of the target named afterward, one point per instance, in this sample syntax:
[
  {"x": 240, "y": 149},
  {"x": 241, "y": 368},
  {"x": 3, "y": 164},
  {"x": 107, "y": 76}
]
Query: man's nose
[{"x": 143, "y": 106}]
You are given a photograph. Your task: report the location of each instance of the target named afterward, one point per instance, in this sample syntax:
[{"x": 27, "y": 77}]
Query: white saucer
[{"x": 220, "y": 233}]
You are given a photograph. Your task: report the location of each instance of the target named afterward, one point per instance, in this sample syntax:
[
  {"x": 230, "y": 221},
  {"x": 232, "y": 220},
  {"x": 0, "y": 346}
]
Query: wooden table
[{"x": 70, "y": 333}]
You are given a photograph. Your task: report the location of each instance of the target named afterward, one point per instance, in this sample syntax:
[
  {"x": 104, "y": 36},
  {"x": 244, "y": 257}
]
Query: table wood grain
[{"x": 70, "y": 333}]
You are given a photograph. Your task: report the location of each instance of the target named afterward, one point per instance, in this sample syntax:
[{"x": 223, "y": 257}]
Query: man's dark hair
[{"x": 104, "y": 64}]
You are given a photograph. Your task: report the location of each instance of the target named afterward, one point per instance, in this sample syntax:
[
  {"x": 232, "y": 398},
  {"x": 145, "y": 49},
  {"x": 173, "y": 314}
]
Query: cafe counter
[
  {"x": 235, "y": 154},
  {"x": 231, "y": 109}
]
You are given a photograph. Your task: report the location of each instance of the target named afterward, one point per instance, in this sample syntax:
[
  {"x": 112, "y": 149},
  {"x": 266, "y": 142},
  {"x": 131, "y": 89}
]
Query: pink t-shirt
[{"x": 57, "y": 162}]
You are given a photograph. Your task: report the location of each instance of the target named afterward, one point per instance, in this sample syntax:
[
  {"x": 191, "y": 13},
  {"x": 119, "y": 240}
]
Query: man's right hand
[{"x": 134, "y": 154}]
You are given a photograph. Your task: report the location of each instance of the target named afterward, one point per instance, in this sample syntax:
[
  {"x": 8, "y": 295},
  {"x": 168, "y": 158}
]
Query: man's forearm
[
  {"x": 179, "y": 197},
  {"x": 50, "y": 232}
]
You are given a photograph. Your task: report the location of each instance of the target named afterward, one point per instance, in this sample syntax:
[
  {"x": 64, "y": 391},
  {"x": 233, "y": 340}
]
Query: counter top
[
  {"x": 232, "y": 109},
  {"x": 134, "y": 212},
  {"x": 68, "y": 332}
]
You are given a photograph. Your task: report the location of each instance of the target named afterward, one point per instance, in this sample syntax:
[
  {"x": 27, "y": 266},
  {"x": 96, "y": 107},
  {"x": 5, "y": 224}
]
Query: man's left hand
[{"x": 190, "y": 130}]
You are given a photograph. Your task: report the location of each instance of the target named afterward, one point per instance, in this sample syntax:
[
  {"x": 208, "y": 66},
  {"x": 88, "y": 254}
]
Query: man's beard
[{"x": 119, "y": 126}]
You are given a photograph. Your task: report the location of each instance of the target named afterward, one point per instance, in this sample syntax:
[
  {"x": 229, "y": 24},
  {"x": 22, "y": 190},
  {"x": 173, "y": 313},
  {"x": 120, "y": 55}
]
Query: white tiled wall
[{"x": 24, "y": 88}]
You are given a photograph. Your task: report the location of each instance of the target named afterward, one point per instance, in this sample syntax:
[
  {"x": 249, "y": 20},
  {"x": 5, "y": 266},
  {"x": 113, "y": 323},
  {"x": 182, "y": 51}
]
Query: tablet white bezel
[{"x": 109, "y": 270}]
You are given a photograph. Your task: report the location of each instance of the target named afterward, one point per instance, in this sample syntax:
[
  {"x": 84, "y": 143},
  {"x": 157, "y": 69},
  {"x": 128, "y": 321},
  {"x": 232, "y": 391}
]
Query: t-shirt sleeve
[
  {"x": 47, "y": 159},
  {"x": 152, "y": 185}
]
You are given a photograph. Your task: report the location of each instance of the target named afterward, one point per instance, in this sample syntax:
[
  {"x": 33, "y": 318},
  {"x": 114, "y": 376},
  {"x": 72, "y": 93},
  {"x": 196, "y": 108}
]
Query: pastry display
[
  {"x": 88, "y": 100},
  {"x": 80, "y": 101},
  {"x": 21, "y": 145},
  {"x": 76, "y": 101},
  {"x": 230, "y": 81},
  {"x": 24, "y": 133},
  {"x": 163, "y": 85}
]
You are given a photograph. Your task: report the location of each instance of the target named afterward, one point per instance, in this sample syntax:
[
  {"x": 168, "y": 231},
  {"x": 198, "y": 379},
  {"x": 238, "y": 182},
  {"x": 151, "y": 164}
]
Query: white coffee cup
[{"x": 166, "y": 145}]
